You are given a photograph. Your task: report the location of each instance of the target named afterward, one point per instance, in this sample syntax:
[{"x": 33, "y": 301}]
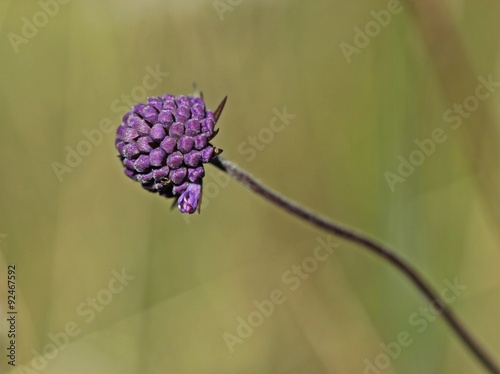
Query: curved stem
[{"x": 380, "y": 250}]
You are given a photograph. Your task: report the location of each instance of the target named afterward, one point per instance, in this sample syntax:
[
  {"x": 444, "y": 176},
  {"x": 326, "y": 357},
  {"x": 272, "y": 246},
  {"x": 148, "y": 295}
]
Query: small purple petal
[
  {"x": 178, "y": 175},
  {"x": 130, "y": 150},
  {"x": 170, "y": 105},
  {"x": 207, "y": 154},
  {"x": 166, "y": 117},
  {"x": 157, "y": 132},
  {"x": 174, "y": 160},
  {"x": 155, "y": 102},
  {"x": 207, "y": 126},
  {"x": 150, "y": 114},
  {"x": 161, "y": 173},
  {"x": 145, "y": 178},
  {"x": 168, "y": 144},
  {"x": 138, "y": 108},
  {"x": 200, "y": 141},
  {"x": 138, "y": 124},
  {"x": 198, "y": 111},
  {"x": 185, "y": 144},
  {"x": 133, "y": 119},
  {"x": 142, "y": 127},
  {"x": 129, "y": 163},
  {"x": 188, "y": 201},
  {"x": 177, "y": 190},
  {"x": 125, "y": 133},
  {"x": 182, "y": 100},
  {"x": 144, "y": 144},
  {"x": 192, "y": 158},
  {"x": 157, "y": 157},
  {"x": 142, "y": 163},
  {"x": 194, "y": 175},
  {"x": 176, "y": 130},
  {"x": 193, "y": 127},
  {"x": 182, "y": 114}
]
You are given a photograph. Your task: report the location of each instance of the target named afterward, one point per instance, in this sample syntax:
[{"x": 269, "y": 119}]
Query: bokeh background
[{"x": 189, "y": 279}]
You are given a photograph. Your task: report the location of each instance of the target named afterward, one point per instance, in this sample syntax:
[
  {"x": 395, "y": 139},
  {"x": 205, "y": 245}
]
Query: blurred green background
[{"x": 190, "y": 279}]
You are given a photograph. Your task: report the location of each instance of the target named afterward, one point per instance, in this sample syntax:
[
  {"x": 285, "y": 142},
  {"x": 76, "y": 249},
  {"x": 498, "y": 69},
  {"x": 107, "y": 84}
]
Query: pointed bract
[{"x": 219, "y": 109}]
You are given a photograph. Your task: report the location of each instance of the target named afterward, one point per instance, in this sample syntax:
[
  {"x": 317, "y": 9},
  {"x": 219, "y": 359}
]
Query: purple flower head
[{"x": 164, "y": 143}]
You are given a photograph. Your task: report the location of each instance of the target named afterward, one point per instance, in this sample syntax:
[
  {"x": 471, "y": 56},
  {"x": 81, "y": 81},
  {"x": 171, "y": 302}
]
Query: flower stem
[{"x": 378, "y": 249}]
